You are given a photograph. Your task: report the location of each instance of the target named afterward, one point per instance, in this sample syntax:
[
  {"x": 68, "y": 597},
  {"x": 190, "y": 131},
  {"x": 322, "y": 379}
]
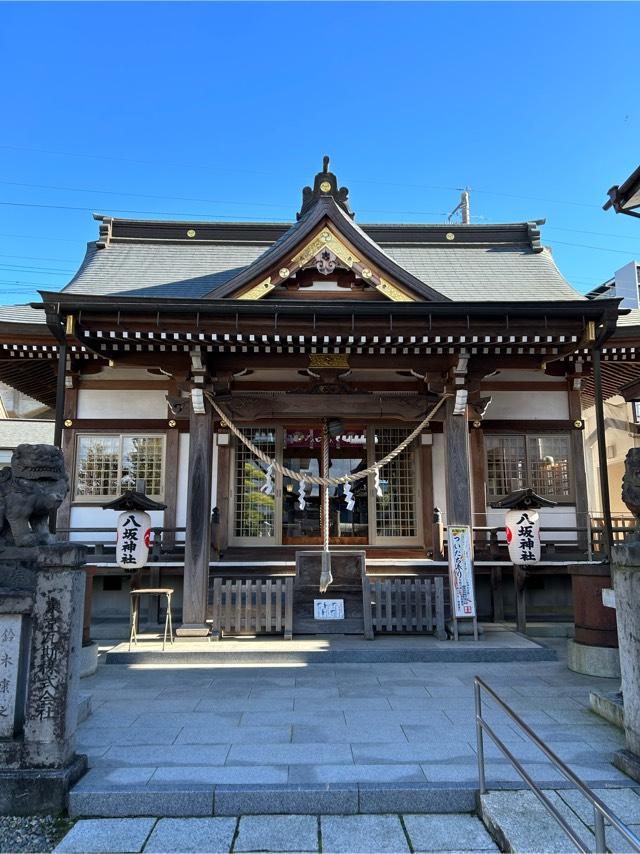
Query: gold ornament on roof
[
  {"x": 258, "y": 291},
  {"x": 328, "y": 360},
  {"x": 284, "y": 272},
  {"x": 191, "y": 232},
  {"x": 325, "y": 187},
  {"x": 394, "y": 293}
]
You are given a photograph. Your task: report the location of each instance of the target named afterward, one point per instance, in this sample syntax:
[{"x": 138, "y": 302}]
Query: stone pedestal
[
  {"x": 626, "y": 582},
  {"x": 41, "y": 614}
]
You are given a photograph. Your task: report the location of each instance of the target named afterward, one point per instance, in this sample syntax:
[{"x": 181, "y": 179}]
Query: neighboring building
[
  {"x": 622, "y": 416},
  {"x": 22, "y": 419},
  {"x": 288, "y": 324},
  {"x": 625, "y": 198}
]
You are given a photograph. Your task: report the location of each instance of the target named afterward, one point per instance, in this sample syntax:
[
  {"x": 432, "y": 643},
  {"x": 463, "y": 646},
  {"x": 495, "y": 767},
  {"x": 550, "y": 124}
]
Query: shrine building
[{"x": 286, "y": 327}]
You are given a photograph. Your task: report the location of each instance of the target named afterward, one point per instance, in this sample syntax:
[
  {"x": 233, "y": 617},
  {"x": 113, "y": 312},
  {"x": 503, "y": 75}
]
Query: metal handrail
[{"x": 600, "y": 809}]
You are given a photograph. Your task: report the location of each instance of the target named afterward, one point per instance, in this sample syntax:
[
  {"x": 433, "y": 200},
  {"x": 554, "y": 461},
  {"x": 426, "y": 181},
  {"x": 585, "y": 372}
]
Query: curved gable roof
[{"x": 325, "y": 209}]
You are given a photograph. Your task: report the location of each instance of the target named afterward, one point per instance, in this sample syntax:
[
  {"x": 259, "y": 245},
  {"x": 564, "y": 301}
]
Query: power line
[
  {"x": 195, "y": 199},
  {"x": 152, "y": 213},
  {"x": 40, "y": 258},
  {"x": 44, "y": 237},
  {"x": 183, "y": 164},
  {"x": 40, "y": 271},
  {"x": 143, "y": 195},
  {"x": 94, "y": 156},
  {"x": 597, "y": 248},
  {"x": 595, "y": 233}
]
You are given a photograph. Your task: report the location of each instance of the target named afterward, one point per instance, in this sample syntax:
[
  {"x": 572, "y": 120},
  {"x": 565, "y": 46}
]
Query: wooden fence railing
[
  {"x": 622, "y": 527},
  {"x": 253, "y": 606},
  {"x": 406, "y": 605}
]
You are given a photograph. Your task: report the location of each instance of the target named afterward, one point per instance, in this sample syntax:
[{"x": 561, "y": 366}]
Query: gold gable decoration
[{"x": 325, "y": 239}]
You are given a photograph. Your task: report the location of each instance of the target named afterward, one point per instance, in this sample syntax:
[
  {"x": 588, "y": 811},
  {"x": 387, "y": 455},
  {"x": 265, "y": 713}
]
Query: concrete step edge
[{"x": 301, "y": 799}]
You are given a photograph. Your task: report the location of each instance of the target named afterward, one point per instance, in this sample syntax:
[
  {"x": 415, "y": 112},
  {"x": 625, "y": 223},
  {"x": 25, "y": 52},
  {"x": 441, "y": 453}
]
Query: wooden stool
[{"x": 135, "y": 601}]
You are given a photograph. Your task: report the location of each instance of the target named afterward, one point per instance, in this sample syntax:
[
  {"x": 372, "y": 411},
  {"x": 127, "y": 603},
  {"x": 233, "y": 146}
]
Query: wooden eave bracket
[{"x": 198, "y": 377}]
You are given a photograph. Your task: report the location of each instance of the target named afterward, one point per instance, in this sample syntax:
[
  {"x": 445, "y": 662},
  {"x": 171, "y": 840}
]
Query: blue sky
[{"x": 223, "y": 111}]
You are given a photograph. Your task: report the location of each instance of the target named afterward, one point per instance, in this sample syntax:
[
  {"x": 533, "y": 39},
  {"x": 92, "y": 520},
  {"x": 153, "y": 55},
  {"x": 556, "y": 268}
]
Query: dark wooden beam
[
  {"x": 457, "y": 467},
  {"x": 198, "y": 533}
]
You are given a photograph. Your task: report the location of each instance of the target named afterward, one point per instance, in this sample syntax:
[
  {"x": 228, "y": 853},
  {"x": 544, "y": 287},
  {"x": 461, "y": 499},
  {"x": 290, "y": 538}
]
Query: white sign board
[
  {"x": 10, "y": 626},
  {"x": 461, "y": 571},
  {"x": 608, "y": 597},
  {"x": 328, "y": 609},
  {"x": 523, "y": 535},
  {"x": 132, "y": 547}
]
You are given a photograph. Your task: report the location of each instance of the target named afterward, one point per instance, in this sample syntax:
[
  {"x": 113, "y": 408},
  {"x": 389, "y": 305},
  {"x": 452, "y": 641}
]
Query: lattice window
[
  {"x": 396, "y": 509},
  {"x": 506, "y": 464},
  {"x": 548, "y": 459},
  {"x": 254, "y": 511},
  {"x": 539, "y": 462},
  {"x": 108, "y": 465}
]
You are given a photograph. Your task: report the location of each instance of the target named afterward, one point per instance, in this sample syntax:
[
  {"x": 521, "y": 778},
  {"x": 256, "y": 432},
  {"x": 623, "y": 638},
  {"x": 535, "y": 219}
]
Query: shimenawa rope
[{"x": 274, "y": 465}]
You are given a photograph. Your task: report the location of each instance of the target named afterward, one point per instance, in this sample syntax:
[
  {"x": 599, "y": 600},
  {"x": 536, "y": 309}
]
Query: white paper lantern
[
  {"x": 523, "y": 535},
  {"x": 132, "y": 547}
]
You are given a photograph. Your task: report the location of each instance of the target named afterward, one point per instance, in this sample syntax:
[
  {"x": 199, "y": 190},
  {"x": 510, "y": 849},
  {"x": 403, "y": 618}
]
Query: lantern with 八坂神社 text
[
  {"x": 523, "y": 535},
  {"x": 132, "y": 546}
]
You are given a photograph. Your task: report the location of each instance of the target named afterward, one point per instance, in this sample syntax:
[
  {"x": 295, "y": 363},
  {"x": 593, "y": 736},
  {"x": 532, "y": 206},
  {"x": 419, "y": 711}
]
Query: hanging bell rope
[
  {"x": 325, "y": 570},
  {"x": 374, "y": 469}
]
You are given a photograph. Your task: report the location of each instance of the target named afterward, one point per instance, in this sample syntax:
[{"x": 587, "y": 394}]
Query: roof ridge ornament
[{"x": 325, "y": 185}]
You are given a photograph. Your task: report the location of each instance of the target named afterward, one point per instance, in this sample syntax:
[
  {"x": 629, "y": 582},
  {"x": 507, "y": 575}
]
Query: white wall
[
  {"x": 519, "y": 405},
  {"x": 87, "y": 516},
  {"x": 15, "y": 431},
  {"x": 563, "y": 516},
  {"x": 528, "y": 376},
  {"x": 112, "y": 403},
  {"x": 183, "y": 480}
]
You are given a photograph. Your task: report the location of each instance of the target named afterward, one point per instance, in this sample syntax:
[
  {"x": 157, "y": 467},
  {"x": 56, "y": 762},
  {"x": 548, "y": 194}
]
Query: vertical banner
[
  {"x": 463, "y": 601},
  {"x": 523, "y": 535},
  {"x": 132, "y": 548}
]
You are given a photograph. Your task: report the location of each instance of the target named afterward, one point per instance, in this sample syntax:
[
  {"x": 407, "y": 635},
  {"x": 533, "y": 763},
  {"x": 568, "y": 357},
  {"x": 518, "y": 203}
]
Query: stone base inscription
[{"x": 10, "y": 632}]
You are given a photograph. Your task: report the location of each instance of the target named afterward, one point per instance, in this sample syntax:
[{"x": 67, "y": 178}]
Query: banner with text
[{"x": 463, "y": 600}]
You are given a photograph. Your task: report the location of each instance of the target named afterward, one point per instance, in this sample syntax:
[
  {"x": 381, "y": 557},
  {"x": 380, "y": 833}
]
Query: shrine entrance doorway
[
  {"x": 279, "y": 517},
  {"x": 302, "y": 522}
]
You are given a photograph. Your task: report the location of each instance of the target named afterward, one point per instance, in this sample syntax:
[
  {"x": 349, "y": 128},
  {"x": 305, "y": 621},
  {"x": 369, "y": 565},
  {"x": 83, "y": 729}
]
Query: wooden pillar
[
  {"x": 223, "y": 504},
  {"x": 520, "y": 588},
  {"x": 198, "y": 534},
  {"x": 579, "y": 471},
  {"x": 89, "y": 572},
  {"x": 478, "y": 475},
  {"x": 457, "y": 467},
  {"x": 426, "y": 475},
  {"x": 68, "y": 445}
]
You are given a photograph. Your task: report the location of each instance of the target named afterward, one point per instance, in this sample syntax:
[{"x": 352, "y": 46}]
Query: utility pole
[{"x": 463, "y": 207}]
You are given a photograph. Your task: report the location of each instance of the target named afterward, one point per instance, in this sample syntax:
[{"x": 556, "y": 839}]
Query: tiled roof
[
  {"x": 473, "y": 271},
  {"x": 162, "y": 270},
  {"x": 630, "y": 319},
  {"x": 20, "y": 314}
]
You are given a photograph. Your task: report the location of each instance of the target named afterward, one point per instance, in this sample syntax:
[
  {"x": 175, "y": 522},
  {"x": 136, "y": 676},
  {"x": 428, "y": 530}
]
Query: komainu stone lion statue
[
  {"x": 631, "y": 482},
  {"x": 30, "y": 488}
]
